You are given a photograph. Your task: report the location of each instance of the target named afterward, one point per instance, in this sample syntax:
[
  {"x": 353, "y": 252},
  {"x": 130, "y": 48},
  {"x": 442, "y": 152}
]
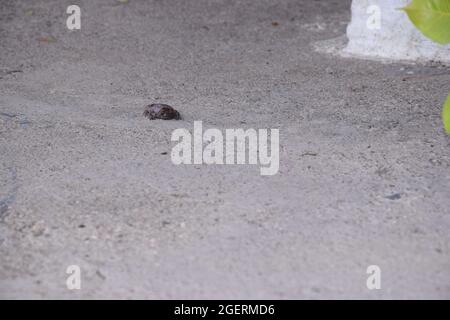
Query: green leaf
[
  {"x": 432, "y": 18},
  {"x": 446, "y": 115}
]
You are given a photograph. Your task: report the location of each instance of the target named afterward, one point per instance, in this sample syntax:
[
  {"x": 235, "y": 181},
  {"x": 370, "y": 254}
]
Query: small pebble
[
  {"x": 394, "y": 196},
  {"x": 161, "y": 111}
]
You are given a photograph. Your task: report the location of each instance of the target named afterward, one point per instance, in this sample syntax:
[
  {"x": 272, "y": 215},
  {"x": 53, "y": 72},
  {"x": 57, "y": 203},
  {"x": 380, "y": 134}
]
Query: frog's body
[{"x": 161, "y": 111}]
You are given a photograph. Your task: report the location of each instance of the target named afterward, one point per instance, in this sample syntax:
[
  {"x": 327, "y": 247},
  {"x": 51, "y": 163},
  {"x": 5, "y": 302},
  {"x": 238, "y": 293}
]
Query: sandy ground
[{"x": 84, "y": 179}]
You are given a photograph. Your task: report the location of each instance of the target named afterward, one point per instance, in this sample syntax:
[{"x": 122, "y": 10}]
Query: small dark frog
[{"x": 161, "y": 111}]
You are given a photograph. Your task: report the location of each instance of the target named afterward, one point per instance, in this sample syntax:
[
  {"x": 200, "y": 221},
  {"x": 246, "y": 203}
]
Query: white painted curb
[{"x": 379, "y": 30}]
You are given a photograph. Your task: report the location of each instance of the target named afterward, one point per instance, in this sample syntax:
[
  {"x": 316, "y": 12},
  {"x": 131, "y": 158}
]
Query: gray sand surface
[{"x": 364, "y": 162}]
